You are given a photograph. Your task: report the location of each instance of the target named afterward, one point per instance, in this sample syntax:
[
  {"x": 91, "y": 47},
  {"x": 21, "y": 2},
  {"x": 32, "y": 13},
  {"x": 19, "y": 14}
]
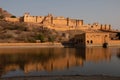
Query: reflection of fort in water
[{"x": 50, "y": 59}]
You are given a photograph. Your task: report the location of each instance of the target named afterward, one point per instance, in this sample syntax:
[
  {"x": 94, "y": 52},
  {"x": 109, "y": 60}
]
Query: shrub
[
  {"x": 2, "y": 17},
  {"x": 40, "y": 37},
  {"x": 51, "y": 39},
  {"x": 13, "y": 16}
]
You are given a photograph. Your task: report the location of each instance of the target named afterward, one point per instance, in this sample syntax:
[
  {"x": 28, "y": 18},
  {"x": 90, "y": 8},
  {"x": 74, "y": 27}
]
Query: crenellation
[{"x": 59, "y": 21}]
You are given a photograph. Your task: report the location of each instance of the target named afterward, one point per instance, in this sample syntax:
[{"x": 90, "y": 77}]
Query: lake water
[{"x": 59, "y": 61}]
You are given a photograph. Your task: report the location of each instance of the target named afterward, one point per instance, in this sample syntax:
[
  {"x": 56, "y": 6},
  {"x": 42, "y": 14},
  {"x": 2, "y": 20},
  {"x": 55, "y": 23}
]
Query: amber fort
[
  {"x": 92, "y": 34},
  {"x": 58, "y": 23}
]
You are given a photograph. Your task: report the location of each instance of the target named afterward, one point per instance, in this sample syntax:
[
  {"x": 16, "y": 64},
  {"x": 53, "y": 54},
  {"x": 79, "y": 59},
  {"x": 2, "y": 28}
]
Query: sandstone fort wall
[{"x": 58, "y": 21}]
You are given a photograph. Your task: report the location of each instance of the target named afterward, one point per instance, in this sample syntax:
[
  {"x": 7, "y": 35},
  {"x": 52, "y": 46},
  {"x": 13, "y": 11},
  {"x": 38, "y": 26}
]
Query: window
[
  {"x": 91, "y": 41},
  {"x": 88, "y": 41},
  {"x": 105, "y": 35}
]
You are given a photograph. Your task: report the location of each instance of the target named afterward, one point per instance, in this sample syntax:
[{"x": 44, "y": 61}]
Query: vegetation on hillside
[{"x": 23, "y": 32}]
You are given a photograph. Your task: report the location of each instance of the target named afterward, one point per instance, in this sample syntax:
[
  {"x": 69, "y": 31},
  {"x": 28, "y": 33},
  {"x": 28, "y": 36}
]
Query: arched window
[
  {"x": 88, "y": 41},
  {"x": 91, "y": 41}
]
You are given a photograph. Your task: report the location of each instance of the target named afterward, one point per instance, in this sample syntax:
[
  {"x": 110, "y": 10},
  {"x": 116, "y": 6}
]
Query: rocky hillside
[
  {"x": 4, "y": 13},
  {"x": 22, "y": 32},
  {"x": 26, "y": 32}
]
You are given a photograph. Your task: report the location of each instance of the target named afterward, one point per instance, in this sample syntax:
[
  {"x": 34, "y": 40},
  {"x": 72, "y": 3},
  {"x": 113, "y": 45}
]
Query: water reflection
[
  {"x": 118, "y": 55},
  {"x": 51, "y": 59}
]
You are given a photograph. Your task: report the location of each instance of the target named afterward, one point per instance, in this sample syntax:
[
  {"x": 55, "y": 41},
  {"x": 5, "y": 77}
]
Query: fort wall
[
  {"x": 100, "y": 26},
  {"x": 52, "y": 20},
  {"x": 12, "y": 19},
  {"x": 39, "y": 19},
  {"x": 106, "y": 27},
  {"x": 60, "y": 22},
  {"x": 72, "y": 22}
]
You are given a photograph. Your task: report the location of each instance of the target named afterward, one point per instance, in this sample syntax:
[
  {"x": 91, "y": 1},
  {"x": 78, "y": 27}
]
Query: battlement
[
  {"x": 59, "y": 21},
  {"x": 50, "y": 19}
]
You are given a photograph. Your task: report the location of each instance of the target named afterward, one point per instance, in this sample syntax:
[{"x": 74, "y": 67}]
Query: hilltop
[{"x": 4, "y": 13}]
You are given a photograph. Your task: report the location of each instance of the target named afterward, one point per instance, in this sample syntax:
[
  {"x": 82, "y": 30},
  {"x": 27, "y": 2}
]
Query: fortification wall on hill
[
  {"x": 60, "y": 22},
  {"x": 52, "y": 20},
  {"x": 12, "y": 19}
]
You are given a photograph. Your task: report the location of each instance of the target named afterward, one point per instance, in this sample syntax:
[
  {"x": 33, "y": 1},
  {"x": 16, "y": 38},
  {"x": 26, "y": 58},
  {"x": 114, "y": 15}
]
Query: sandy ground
[{"x": 64, "y": 78}]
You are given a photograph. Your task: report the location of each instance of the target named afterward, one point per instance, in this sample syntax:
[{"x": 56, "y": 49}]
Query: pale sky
[{"x": 101, "y": 11}]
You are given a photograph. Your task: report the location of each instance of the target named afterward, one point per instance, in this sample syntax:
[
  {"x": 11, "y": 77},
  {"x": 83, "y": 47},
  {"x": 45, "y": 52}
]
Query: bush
[
  {"x": 5, "y": 36},
  {"x": 2, "y": 17},
  {"x": 13, "y": 16},
  {"x": 51, "y": 39},
  {"x": 40, "y": 37}
]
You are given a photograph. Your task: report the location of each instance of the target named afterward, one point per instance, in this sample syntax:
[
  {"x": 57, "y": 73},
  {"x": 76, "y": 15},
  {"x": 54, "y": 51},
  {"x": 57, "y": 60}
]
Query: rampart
[
  {"x": 52, "y": 20},
  {"x": 59, "y": 22},
  {"x": 12, "y": 19}
]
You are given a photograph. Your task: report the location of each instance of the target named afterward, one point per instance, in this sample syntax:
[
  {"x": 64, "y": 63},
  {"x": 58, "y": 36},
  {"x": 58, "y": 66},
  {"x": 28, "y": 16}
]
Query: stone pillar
[
  {"x": 101, "y": 27},
  {"x": 36, "y": 19},
  {"x": 105, "y": 26},
  {"x": 67, "y": 21},
  {"x": 52, "y": 20},
  {"x": 109, "y": 27},
  {"x": 80, "y": 22},
  {"x": 76, "y": 23}
]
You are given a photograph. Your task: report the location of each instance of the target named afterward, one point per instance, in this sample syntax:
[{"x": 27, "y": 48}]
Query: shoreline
[
  {"x": 44, "y": 45},
  {"x": 62, "y": 77},
  {"x": 31, "y": 45}
]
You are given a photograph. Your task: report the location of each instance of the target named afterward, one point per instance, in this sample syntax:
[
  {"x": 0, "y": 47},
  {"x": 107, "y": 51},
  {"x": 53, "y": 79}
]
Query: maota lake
[{"x": 28, "y": 61}]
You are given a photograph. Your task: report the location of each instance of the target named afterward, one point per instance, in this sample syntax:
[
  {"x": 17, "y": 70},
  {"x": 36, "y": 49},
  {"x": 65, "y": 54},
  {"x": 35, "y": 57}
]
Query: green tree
[{"x": 40, "y": 37}]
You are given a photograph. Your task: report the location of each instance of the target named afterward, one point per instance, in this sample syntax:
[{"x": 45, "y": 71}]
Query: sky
[{"x": 101, "y": 11}]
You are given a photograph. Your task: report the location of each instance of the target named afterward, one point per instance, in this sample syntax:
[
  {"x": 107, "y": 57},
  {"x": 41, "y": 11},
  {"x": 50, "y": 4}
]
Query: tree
[
  {"x": 13, "y": 16},
  {"x": 51, "y": 38},
  {"x": 40, "y": 37}
]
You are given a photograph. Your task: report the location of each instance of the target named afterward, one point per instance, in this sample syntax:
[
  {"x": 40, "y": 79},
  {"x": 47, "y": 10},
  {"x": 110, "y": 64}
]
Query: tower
[
  {"x": 26, "y": 14},
  {"x": 25, "y": 17}
]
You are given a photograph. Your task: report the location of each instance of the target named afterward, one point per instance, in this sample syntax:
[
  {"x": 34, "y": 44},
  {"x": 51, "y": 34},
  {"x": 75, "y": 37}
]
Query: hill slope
[
  {"x": 23, "y": 32},
  {"x": 4, "y": 13}
]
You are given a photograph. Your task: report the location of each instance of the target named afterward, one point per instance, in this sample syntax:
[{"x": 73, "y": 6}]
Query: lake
[{"x": 28, "y": 61}]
